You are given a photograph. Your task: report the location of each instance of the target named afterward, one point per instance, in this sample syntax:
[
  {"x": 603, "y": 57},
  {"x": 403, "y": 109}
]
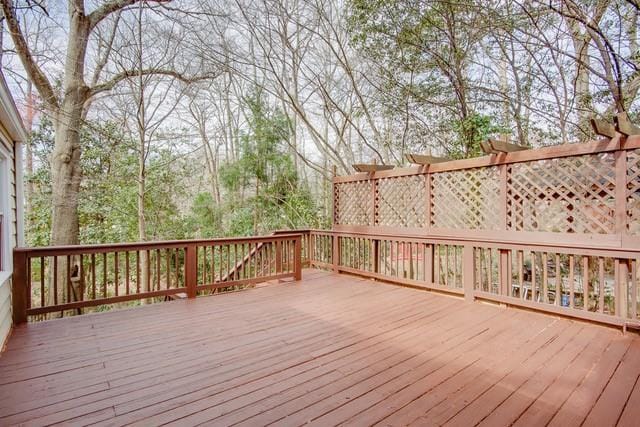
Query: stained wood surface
[{"x": 331, "y": 349}]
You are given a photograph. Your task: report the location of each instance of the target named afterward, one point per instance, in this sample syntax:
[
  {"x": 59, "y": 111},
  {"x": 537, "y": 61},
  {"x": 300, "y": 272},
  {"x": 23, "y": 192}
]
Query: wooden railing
[
  {"x": 66, "y": 280},
  {"x": 593, "y": 284}
]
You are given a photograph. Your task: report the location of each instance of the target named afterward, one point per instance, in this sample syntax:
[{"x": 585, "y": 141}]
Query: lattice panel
[
  {"x": 401, "y": 201},
  {"x": 354, "y": 203},
  {"x": 467, "y": 199},
  {"x": 567, "y": 195},
  {"x": 633, "y": 191}
]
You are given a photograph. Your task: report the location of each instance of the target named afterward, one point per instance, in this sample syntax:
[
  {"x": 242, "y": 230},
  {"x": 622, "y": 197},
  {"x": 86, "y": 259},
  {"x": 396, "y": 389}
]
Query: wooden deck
[{"x": 328, "y": 350}]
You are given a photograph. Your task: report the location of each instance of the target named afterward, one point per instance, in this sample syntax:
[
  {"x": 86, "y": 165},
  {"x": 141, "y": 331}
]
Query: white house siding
[
  {"x": 5, "y": 279},
  {"x": 5, "y": 311}
]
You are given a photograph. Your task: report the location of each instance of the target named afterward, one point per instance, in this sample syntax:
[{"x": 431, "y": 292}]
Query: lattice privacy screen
[
  {"x": 575, "y": 194},
  {"x": 401, "y": 201},
  {"x": 567, "y": 195},
  {"x": 353, "y": 203},
  {"x": 467, "y": 199},
  {"x": 633, "y": 191}
]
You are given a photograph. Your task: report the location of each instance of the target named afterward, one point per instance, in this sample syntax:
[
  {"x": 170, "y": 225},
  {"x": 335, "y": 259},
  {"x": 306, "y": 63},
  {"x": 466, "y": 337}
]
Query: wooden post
[
  {"x": 376, "y": 255},
  {"x": 427, "y": 220},
  {"x": 429, "y": 261},
  {"x": 19, "y": 287},
  {"x": 279, "y": 246},
  {"x": 297, "y": 259},
  {"x": 622, "y": 288},
  {"x": 503, "y": 197},
  {"x": 312, "y": 249},
  {"x": 191, "y": 270},
  {"x": 468, "y": 271},
  {"x": 621, "y": 193}
]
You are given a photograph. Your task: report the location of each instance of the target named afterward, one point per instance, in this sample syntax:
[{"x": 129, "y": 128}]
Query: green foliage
[
  {"x": 108, "y": 194},
  {"x": 265, "y": 172},
  {"x": 423, "y": 52},
  {"x": 262, "y": 189},
  {"x": 470, "y": 133}
]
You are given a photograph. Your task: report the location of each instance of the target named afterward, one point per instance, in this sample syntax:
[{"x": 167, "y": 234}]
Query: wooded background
[{"x": 173, "y": 119}]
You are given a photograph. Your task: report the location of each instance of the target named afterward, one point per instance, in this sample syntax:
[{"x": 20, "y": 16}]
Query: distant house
[{"x": 12, "y": 137}]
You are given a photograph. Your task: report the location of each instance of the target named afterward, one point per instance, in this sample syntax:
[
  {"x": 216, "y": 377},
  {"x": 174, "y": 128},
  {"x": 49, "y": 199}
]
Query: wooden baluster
[
  {"x": 158, "y": 261},
  {"x": 621, "y": 287},
  {"x": 68, "y": 286},
  {"x": 219, "y": 247},
  {"x": 446, "y": 265},
  {"x": 634, "y": 289},
  {"x": 534, "y": 285},
  {"x": 479, "y": 254},
  {"x": 520, "y": 256},
  {"x": 397, "y": 258},
  {"x": 42, "y": 281},
  {"x": 93, "y": 276},
  {"x": 585, "y": 283},
  {"x": 436, "y": 274},
  {"x": 203, "y": 277},
  {"x": 545, "y": 277},
  {"x": 81, "y": 278},
  {"x": 178, "y": 283},
  {"x": 255, "y": 259},
  {"x": 104, "y": 275},
  {"x": 127, "y": 273},
  {"x": 212, "y": 269},
  {"x": 116, "y": 281},
  {"x": 558, "y": 282},
  {"x": 490, "y": 269},
  {"x": 571, "y": 281},
  {"x": 148, "y": 267},
  {"x": 138, "y": 271},
  {"x": 55, "y": 281},
  {"x": 601, "y": 284},
  {"x": 167, "y": 255}
]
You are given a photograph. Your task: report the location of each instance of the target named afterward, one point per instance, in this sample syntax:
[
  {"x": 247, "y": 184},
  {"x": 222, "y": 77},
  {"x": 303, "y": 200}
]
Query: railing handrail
[
  {"x": 595, "y": 250},
  {"x": 111, "y": 247},
  {"x": 368, "y": 250},
  {"x": 194, "y": 271}
]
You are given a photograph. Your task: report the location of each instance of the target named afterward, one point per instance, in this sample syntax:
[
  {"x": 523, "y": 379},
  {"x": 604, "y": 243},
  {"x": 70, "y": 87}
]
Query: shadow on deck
[{"x": 330, "y": 349}]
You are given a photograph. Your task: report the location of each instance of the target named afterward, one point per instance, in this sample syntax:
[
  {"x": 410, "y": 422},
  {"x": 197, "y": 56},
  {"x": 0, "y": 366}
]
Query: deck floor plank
[{"x": 331, "y": 349}]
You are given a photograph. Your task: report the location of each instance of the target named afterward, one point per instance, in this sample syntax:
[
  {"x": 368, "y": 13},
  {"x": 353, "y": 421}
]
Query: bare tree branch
[{"x": 24, "y": 53}]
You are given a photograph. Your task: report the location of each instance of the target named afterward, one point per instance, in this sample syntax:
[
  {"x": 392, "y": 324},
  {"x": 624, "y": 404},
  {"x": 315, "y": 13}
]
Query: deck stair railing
[{"x": 257, "y": 254}]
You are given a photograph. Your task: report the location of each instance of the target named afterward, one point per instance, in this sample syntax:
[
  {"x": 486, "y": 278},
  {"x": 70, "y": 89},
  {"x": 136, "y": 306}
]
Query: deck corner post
[
  {"x": 622, "y": 288},
  {"x": 297, "y": 259},
  {"x": 279, "y": 247},
  {"x": 191, "y": 270},
  {"x": 19, "y": 287},
  {"x": 376, "y": 256},
  {"x": 468, "y": 272},
  {"x": 335, "y": 252}
]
